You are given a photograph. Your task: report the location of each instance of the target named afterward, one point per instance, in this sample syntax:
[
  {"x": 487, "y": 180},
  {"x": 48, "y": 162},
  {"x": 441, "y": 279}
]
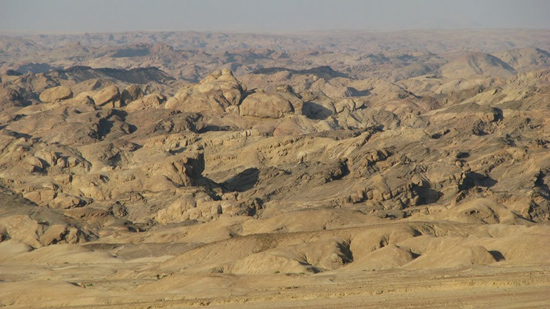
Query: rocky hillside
[{"x": 120, "y": 184}]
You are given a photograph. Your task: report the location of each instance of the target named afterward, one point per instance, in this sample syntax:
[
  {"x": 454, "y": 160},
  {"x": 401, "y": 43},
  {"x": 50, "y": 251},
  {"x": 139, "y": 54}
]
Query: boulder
[
  {"x": 56, "y": 94},
  {"x": 82, "y": 102},
  {"x": 266, "y": 105},
  {"x": 219, "y": 92},
  {"x": 108, "y": 97},
  {"x": 131, "y": 93},
  {"x": 149, "y": 101}
]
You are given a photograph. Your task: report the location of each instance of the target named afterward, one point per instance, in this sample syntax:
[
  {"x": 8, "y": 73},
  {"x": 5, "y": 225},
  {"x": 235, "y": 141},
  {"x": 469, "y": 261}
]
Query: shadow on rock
[{"x": 243, "y": 181}]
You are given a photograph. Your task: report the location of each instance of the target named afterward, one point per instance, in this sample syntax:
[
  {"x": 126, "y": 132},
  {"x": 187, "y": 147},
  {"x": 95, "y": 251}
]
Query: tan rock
[
  {"x": 265, "y": 105},
  {"x": 108, "y": 97},
  {"x": 214, "y": 94},
  {"x": 56, "y": 94},
  {"x": 149, "y": 101},
  {"x": 41, "y": 197},
  {"x": 65, "y": 201},
  {"x": 131, "y": 93},
  {"x": 82, "y": 101}
]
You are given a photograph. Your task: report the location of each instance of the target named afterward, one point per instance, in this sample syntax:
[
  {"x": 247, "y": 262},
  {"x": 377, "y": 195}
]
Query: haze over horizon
[{"x": 268, "y": 16}]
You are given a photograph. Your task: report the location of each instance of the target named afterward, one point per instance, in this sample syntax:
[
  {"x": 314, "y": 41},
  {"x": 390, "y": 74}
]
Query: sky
[{"x": 79, "y": 16}]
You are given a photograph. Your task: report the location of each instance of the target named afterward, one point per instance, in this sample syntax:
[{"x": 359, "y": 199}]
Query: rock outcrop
[
  {"x": 266, "y": 105},
  {"x": 56, "y": 94},
  {"x": 108, "y": 97},
  {"x": 218, "y": 93}
]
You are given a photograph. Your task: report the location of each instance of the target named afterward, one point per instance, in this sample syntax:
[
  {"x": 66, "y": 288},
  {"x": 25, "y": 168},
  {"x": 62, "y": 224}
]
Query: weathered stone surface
[
  {"x": 56, "y": 94},
  {"x": 108, "y": 97},
  {"x": 218, "y": 93},
  {"x": 131, "y": 93},
  {"x": 265, "y": 105},
  {"x": 149, "y": 101}
]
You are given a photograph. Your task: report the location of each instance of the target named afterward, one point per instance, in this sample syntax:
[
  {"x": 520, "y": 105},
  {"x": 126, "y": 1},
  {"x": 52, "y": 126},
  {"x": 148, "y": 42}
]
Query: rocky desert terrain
[{"x": 314, "y": 170}]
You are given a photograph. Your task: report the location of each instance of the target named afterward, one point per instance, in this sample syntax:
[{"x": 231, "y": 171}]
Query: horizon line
[{"x": 270, "y": 32}]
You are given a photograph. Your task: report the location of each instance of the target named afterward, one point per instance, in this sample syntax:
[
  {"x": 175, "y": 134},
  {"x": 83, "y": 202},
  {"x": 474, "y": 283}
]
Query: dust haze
[{"x": 269, "y": 16}]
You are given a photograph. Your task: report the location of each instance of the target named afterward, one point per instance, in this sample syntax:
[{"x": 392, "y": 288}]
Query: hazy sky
[{"x": 269, "y": 15}]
